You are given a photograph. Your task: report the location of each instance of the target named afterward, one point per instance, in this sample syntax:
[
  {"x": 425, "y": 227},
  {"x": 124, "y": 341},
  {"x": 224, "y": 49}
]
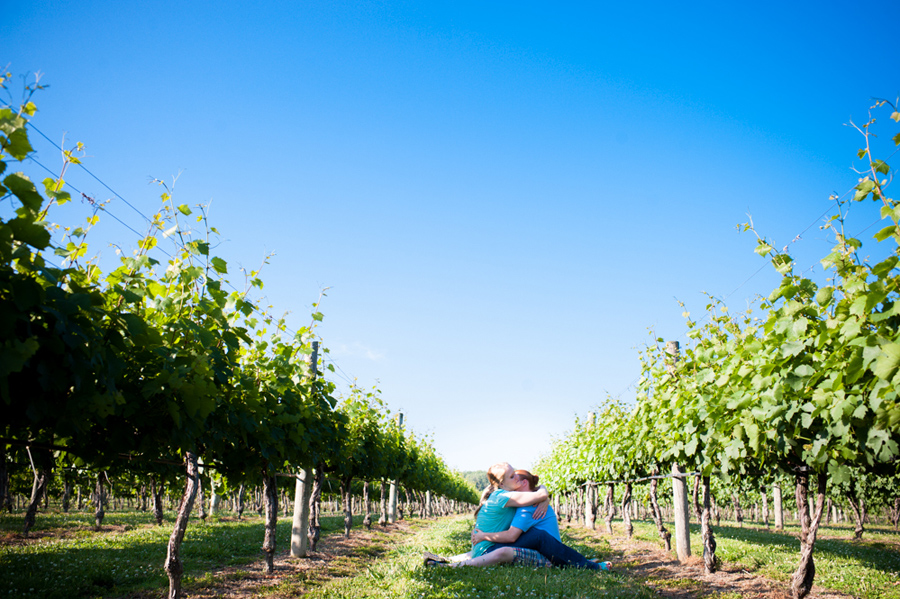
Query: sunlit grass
[
  {"x": 127, "y": 559},
  {"x": 401, "y": 575},
  {"x": 79, "y": 562},
  {"x": 869, "y": 569}
]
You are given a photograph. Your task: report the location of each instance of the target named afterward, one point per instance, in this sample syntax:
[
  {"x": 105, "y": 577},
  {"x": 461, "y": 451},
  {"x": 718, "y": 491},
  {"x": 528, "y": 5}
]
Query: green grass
[
  {"x": 401, "y": 575},
  {"x": 74, "y": 561},
  {"x": 83, "y": 563},
  {"x": 869, "y": 569}
]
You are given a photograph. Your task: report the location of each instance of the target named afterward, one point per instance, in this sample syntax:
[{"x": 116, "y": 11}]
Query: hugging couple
[{"x": 515, "y": 524}]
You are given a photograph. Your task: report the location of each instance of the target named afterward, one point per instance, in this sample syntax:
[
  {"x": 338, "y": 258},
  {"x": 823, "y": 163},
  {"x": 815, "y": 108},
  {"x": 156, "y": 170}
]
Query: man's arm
[
  {"x": 507, "y": 536},
  {"x": 523, "y": 498}
]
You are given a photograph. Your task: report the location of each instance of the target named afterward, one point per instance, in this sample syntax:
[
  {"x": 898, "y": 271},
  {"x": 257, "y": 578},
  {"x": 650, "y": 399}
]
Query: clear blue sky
[{"x": 504, "y": 198}]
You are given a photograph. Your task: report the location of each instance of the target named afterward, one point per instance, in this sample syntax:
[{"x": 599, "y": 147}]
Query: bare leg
[{"x": 504, "y": 555}]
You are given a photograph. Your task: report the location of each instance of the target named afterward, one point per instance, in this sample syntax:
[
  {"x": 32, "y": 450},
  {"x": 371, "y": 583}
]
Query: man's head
[{"x": 527, "y": 480}]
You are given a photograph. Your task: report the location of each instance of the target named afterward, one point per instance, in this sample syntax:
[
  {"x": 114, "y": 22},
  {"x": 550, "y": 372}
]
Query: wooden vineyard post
[
  {"x": 392, "y": 499},
  {"x": 303, "y": 489},
  {"x": 679, "y": 488},
  {"x": 778, "y": 507},
  {"x": 682, "y": 514}
]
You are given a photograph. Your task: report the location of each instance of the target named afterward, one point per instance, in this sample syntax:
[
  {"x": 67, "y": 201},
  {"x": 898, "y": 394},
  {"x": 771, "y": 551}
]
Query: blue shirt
[{"x": 524, "y": 520}]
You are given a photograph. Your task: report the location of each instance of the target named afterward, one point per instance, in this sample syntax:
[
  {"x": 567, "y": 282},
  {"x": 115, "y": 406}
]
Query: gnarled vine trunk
[
  {"x": 367, "y": 520},
  {"x": 802, "y": 578},
  {"x": 382, "y": 520},
  {"x": 738, "y": 514},
  {"x": 348, "y": 506},
  {"x": 270, "y": 498},
  {"x": 664, "y": 534},
  {"x": 41, "y": 478},
  {"x": 698, "y": 511},
  {"x": 201, "y": 499},
  {"x": 99, "y": 502},
  {"x": 315, "y": 506},
  {"x": 610, "y": 506},
  {"x": 590, "y": 505},
  {"x": 241, "y": 494},
  {"x": 4, "y": 480},
  {"x": 626, "y": 511},
  {"x": 174, "y": 567},
  {"x": 67, "y": 494},
  {"x": 156, "y": 492},
  {"x": 858, "y": 504},
  {"x": 706, "y": 533}
]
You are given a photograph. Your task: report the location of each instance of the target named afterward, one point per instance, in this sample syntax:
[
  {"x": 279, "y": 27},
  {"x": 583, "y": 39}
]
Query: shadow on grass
[{"x": 62, "y": 564}]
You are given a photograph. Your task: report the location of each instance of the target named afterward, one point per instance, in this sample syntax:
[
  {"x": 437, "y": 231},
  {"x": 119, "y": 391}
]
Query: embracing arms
[{"x": 524, "y": 498}]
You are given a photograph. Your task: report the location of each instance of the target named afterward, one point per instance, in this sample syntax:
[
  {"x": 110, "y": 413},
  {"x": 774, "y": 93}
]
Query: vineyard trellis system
[
  {"x": 159, "y": 362},
  {"x": 803, "y": 395}
]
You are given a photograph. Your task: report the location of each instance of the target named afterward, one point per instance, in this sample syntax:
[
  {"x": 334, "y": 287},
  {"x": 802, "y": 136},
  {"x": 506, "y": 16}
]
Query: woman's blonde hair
[{"x": 495, "y": 477}]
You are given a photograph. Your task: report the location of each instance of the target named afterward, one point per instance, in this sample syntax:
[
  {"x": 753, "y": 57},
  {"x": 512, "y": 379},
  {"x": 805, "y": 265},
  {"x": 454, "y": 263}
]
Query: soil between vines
[{"x": 663, "y": 572}]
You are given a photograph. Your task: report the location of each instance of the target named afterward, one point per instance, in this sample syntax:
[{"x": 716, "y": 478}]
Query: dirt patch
[
  {"x": 335, "y": 557},
  {"x": 672, "y": 579}
]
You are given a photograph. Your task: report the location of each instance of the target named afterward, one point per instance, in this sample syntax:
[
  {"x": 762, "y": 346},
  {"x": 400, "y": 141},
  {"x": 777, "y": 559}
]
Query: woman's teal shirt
[{"x": 493, "y": 517}]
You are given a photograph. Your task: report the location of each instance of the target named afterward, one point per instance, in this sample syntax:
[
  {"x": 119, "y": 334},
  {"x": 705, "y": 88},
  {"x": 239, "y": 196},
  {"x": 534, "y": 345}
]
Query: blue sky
[{"x": 503, "y": 198}]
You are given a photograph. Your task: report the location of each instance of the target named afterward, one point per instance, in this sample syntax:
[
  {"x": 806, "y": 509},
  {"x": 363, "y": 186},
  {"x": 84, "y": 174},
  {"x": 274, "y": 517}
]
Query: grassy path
[
  {"x": 64, "y": 558},
  {"x": 400, "y": 574}
]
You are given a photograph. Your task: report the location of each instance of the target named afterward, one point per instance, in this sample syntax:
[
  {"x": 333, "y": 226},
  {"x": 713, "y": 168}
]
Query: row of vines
[
  {"x": 159, "y": 367},
  {"x": 803, "y": 393}
]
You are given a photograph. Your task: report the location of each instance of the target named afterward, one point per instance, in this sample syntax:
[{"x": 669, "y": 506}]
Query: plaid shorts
[{"x": 530, "y": 557}]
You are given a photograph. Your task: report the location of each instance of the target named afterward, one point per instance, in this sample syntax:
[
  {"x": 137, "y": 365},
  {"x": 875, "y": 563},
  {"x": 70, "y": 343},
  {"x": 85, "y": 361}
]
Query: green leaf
[
  {"x": 752, "y": 436},
  {"x": 888, "y": 361},
  {"x": 22, "y": 187},
  {"x": 219, "y": 265},
  {"x": 792, "y": 348},
  {"x": 782, "y": 263},
  {"x": 184, "y": 210},
  {"x": 881, "y": 167},
  {"x": 804, "y": 370},
  {"x": 14, "y": 354},
  {"x": 886, "y": 232},
  {"x": 28, "y": 232},
  {"x": 691, "y": 447},
  {"x": 864, "y": 188},
  {"x": 17, "y": 144}
]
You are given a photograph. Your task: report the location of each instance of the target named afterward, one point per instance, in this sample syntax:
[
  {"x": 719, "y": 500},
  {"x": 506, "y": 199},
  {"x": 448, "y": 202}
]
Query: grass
[
  {"x": 870, "y": 568},
  {"x": 77, "y": 562},
  {"x": 126, "y": 560},
  {"x": 401, "y": 575}
]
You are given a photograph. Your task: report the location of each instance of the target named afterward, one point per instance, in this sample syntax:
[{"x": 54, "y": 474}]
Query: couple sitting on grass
[{"x": 515, "y": 524}]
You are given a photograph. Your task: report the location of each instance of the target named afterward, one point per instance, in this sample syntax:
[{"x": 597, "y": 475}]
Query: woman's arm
[
  {"x": 507, "y": 536},
  {"x": 523, "y": 498}
]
